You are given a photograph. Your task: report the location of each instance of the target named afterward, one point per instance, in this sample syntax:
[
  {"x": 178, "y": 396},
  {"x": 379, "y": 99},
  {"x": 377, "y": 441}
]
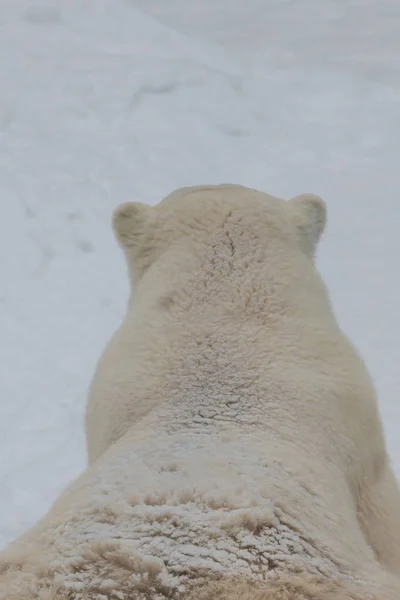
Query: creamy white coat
[{"x": 234, "y": 440}]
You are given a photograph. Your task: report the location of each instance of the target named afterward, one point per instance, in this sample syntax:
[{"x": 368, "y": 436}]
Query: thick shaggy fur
[{"x": 235, "y": 447}]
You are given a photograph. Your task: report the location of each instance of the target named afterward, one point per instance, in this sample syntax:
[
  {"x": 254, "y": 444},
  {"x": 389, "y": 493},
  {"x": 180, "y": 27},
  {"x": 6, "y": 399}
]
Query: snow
[{"x": 106, "y": 101}]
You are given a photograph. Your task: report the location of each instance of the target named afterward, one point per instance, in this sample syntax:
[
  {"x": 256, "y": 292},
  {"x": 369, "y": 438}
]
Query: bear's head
[{"x": 232, "y": 219}]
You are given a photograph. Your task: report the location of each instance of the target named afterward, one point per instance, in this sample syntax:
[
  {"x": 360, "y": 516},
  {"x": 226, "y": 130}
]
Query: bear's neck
[{"x": 231, "y": 283}]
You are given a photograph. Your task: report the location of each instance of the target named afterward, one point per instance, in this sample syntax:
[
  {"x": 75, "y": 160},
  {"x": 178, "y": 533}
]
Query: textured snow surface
[{"x": 106, "y": 101}]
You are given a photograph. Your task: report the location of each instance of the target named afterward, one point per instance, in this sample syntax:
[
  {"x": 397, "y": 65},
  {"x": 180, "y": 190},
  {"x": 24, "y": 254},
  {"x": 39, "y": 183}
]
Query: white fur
[{"x": 233, "y": 432}]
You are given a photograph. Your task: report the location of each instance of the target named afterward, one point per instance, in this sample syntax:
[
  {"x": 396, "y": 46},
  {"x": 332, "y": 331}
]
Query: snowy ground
[{"x": 104, "y": 101}]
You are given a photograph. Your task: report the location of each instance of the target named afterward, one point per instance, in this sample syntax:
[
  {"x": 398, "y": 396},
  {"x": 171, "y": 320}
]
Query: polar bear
[{"x": 235, "y": 445}]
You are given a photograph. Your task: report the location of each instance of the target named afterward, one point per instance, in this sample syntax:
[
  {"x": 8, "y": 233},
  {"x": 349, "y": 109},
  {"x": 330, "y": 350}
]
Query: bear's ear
[
  {"x": 129, "y": 221},
  {"x": 309, "y": 215}
]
